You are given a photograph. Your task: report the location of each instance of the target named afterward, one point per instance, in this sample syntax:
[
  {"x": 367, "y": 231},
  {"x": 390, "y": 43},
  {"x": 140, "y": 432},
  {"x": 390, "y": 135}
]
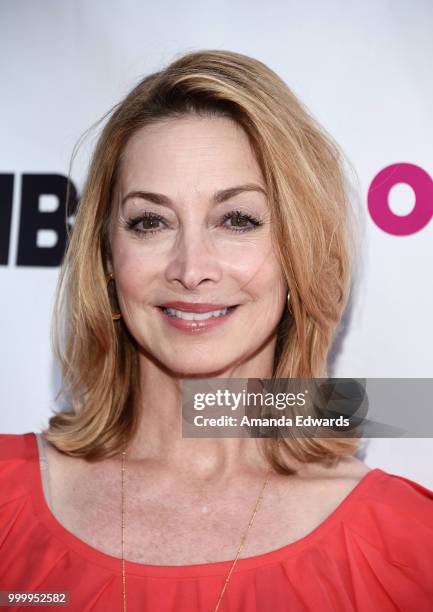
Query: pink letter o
[{"x": 378, "y": 205}]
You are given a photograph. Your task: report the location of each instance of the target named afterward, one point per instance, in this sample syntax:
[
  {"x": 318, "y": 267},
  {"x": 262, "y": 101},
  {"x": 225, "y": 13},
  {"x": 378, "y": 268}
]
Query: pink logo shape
[{"x": 378, "y": 205}]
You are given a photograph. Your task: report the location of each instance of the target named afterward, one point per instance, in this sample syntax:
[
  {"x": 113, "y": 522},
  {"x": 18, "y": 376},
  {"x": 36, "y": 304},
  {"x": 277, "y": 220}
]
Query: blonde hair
[{"x": 307, "y": 189}]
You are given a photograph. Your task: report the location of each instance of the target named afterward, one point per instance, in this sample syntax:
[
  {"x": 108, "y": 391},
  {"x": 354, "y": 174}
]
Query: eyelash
[{"x": 132, "y": 223}]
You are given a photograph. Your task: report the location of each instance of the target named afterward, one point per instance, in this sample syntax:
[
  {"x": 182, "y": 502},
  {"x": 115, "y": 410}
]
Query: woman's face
[{"x": 193, "y": 226}]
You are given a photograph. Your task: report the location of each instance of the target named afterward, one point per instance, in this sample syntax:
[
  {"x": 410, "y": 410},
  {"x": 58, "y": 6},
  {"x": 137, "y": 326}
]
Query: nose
[{"x": 194, "y": 259}]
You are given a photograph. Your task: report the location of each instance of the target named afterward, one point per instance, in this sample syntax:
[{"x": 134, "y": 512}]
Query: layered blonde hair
[{"x": 312, "y": 227}]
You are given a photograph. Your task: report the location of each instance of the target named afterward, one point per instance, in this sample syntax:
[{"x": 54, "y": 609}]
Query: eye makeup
[{"x": 151, "y": 220}]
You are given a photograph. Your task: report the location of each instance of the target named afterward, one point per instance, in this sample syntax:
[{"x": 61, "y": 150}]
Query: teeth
[{"x": 195, "y": 316}]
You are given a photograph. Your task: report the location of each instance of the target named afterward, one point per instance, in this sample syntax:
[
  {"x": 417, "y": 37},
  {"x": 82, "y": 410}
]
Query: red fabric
[{"x": 374, "y": 553}]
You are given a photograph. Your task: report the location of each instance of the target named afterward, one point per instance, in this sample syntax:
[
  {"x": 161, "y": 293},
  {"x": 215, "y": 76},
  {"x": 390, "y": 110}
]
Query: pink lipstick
[{"x": 194, "y": 317}]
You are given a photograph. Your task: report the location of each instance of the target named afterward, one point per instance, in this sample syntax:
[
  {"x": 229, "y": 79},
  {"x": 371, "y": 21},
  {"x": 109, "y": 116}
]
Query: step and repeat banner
[{"x": 362, "y": 69}]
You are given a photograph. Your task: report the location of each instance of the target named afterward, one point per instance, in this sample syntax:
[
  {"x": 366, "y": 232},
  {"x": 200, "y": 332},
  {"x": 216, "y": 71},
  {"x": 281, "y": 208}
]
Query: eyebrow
[{"x": 217, "y": 198}]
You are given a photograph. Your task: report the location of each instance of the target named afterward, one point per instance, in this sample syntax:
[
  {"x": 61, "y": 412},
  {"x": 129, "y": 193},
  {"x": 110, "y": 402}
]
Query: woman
[{"x": 211, "y": 187}]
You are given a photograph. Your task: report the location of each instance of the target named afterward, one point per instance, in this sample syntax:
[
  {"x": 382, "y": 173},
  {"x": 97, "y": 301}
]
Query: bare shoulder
[
  {"x": 347, "y": 468},
  {"x": 56, "y": 459},
  {"x": 338, "y": 479},
  {"x": 56, "y": 468},
  {"x": 68, "y": 477},
  {"x": 326, "y": 487}
]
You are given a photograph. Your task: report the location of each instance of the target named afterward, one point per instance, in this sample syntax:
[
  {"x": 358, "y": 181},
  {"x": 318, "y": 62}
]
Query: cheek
[
  {"x": 270, "y": 290},
  {"x": 264, "y": 272},
  {"x": 132, "y": 271},
  {"x": 254, "y": 264}
]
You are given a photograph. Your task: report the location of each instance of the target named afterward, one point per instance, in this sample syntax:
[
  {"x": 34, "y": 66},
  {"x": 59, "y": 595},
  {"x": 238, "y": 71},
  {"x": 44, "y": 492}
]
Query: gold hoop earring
[
  {"x": 114, "y": 315},
  {"x": 288, "y": 301}
]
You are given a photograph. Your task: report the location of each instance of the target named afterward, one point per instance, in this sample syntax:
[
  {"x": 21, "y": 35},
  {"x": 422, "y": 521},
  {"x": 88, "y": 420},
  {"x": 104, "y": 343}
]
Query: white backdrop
[{"x": 364, "y": 71}]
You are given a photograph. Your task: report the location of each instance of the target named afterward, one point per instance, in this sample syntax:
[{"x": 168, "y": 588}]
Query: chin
[
  {"x": 195, "y": 370},
  {"x": 198, "y": 366}
]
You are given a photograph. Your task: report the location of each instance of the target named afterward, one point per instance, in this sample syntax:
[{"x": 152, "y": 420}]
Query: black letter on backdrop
[
  {"x": 6, "y": 195},
  {"x": 32, "y": 219}
]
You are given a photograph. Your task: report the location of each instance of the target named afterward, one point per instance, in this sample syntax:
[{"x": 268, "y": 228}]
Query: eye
[
  {"x": 150, "y": 223},
  {"x": 242, "y": 220}
]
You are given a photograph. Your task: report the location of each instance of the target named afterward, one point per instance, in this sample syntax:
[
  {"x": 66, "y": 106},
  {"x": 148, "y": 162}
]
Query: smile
[
  {"x": 196, "y": 316},
  {"x": 196, "y": 322}
]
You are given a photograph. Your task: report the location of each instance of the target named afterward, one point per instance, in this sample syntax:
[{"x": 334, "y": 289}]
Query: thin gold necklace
[{"x": 243, "y": 539}]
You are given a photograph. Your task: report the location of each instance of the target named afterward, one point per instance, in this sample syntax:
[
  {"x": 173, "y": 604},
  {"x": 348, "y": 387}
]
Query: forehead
[{"x": 189, "y": 152}]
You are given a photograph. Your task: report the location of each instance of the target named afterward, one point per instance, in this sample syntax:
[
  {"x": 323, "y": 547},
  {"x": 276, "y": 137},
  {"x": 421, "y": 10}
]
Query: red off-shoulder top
[{"x": 374, "y": 553}]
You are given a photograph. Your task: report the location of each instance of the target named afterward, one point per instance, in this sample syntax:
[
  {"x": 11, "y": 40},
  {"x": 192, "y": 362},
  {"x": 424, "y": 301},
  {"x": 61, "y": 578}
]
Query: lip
[
  {"x": 198, "y": 307},
  {"x": 197, "y": 327}
]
